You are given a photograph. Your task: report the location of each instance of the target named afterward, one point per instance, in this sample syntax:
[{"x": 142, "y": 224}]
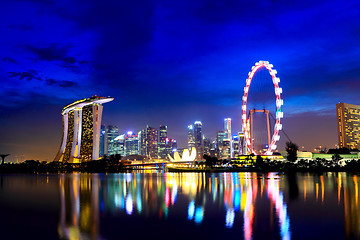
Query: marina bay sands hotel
[{"x": 81, "y": 130}]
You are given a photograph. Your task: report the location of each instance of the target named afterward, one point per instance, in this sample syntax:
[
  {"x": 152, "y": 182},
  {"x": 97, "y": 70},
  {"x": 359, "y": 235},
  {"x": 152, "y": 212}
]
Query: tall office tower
[
  {"x": 81, "y": 126},
  {"x": 242, "y": 144},
  {"x": 348, "y": 121},
  {"x": 235, "y": 146},
  {"x": 227, "y": 127},
  {"x": 191, "y": 137},
  {"x": 131, "y": 144},
  {"x": 102, "y": 141},
  {"x": 151, "y": 142},
  {"x": 222, "y": 145},
  {"x": 111, "y": 133},
  {"x": 198, "y": 139},
  {"x": 207, "y": 145},
  {"x": 142, "y": 142},
  {"x": 162, "y": 142},
  {"x": 171, "y": 146},
  {"x": 117, "y": 146}
]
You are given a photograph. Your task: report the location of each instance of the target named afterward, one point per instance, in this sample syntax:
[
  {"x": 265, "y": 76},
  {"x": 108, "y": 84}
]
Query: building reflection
[
  {"x": 79, "y": 206},
  {"x": 351, "y": 207},
  {"x": 83, "y": 196}
]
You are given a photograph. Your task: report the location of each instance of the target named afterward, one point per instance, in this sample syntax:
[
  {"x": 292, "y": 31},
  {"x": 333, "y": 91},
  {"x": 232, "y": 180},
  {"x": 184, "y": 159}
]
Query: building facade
[
  {"x": 111, "y": 132},
  {"x": 117, "y": 146},
  {"x": 131, "y": 144},
  {"x": 191, "y": 136},
  {"x": 162, "y": 142},
  {"x": 102, "y": 140},
  {"x": 81, "y": 130},
  {"x": 348, "y": 123},
  {"x": 227, "y": 129},
  {"x": 223, "y": 147},
  {"x": 199, "y": 146},
  {"x": 151, "y": 142}
]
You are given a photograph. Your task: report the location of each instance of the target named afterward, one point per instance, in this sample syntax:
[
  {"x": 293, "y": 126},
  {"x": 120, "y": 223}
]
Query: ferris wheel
[{"x": 278, "y": 102}]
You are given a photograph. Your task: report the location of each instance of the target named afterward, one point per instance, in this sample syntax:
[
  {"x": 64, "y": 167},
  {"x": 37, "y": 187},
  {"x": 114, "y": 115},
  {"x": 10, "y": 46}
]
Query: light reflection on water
[{"x": 245, "y": 205}]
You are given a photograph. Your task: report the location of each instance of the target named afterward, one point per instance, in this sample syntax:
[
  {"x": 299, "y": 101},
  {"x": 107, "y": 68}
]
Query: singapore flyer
[{"x": 247, "y": 121}]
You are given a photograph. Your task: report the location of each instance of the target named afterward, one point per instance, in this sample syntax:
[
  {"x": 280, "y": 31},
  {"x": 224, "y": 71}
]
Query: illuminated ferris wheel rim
[{"x": 279, "y": 103}]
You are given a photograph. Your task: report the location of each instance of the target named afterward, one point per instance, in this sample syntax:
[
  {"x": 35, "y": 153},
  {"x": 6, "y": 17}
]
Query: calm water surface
[{"x": 158, "y": 205}]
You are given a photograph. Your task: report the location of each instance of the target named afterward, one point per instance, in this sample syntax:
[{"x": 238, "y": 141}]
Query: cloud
[
  {"x": 10, "y": 60},
  {"x": 31, "y": 74},
  {"x": 50, "y": 53},
  {"x": 21, "y": 27},
  {"x": 28, "y": 75},
  {"x": 63, "y": 84}
]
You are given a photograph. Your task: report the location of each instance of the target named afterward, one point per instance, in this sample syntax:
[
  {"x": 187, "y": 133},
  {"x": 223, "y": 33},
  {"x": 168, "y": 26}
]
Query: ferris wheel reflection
[{"x": 235, "y": 196}]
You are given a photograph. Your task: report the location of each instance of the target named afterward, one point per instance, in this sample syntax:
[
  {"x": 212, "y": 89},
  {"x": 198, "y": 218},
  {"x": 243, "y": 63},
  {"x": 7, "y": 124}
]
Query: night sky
[{"x": 171, "y": 63}]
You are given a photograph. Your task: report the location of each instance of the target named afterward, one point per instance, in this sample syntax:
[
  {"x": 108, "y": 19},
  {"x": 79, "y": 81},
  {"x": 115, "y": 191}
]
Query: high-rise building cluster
[
  {"x": 224, "y": 146},
  {"x": 151, "y": 143}
]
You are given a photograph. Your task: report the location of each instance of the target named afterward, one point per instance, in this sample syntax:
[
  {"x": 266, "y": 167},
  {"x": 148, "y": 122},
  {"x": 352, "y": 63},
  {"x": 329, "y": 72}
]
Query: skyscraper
[
  {"x": 235, "y": 146},
  {"x": 171, "y": 146},
  {"x": 117, "y": 146},
  {"x": 151, "y": 142},
  {"x": 198, "y": 139},
  {"x": 142, "y": 142},
  {"x": 191, "y": 136},
  {"x": 207, "y": 145},
  {"x": 348, "y": 122},
  {"x": 222, "y": 145},
  {"x": 242, "y": 144},
  {"x": 102, "y": 141},
  {"x": 111, "y": 133},
  {"x": 162, "y": 142},
  {"x": 227, "y": 127},
  {"x": 131, "y": 144},
  {"x": 81, "y": 130}
]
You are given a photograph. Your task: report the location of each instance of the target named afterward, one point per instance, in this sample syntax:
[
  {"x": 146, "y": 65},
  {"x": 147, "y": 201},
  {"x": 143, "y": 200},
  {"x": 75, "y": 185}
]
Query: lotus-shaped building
[{"x": 186, "y": 156}]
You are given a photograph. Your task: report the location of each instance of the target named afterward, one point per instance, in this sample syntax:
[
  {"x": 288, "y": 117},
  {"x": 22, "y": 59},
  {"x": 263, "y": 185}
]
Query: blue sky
[{"x": 172, "y": 62}]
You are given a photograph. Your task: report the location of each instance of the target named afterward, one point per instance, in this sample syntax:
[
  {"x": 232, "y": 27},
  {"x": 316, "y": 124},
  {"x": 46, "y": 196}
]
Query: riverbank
[{"x": 116, "y": 166}]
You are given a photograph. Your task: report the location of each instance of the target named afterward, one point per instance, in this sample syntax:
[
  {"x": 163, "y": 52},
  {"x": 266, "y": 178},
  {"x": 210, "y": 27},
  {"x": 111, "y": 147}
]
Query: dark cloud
[
  {"x": 33, "y": 74},
  {"x": 69, "y": 60},
  {"x": 22, "y": 27},
  {"x": 10, "y": 60},
  {"x": 63, "y": 84},
  {"x": 51, "y": 53},
  {"x": 56, "y": 53},
  {"x": 28, "y": 75}
]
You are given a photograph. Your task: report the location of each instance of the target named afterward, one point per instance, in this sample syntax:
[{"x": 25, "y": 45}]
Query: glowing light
[
  {"x": 129, "y": 204},
  {"x": 279, "y": 103},
  {"x": 191, "y": 210},
  {"x": 199, "y": 215},
  {"x": 128, "y": 177},
  {"x": 167, "y": 197},
  {"x": 230, "y": 216},
  {"x": 279, "y": 114}
]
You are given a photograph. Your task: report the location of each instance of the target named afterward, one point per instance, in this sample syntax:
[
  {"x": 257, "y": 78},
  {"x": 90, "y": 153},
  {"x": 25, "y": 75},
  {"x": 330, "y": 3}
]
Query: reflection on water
[
  {"x": 156, "y": 194},
  {"x": 242, "y": 205}
]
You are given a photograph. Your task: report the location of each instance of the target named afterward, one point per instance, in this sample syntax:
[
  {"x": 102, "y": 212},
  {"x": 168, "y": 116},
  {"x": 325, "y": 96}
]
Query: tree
[
  {"x": 210, "y": 161},
  {"x": 259, "y": 161},
  {"x": 291, "y": 149},
  {"x": 336, "y": 157}
]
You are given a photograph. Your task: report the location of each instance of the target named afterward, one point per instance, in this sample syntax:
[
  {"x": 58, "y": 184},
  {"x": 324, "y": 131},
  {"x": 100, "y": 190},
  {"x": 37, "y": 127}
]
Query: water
[{"x": 160, "y": 205}]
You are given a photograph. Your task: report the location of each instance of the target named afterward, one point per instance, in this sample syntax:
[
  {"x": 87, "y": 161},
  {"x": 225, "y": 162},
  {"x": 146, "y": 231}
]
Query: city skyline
[{"x": 173, "y": 64}]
